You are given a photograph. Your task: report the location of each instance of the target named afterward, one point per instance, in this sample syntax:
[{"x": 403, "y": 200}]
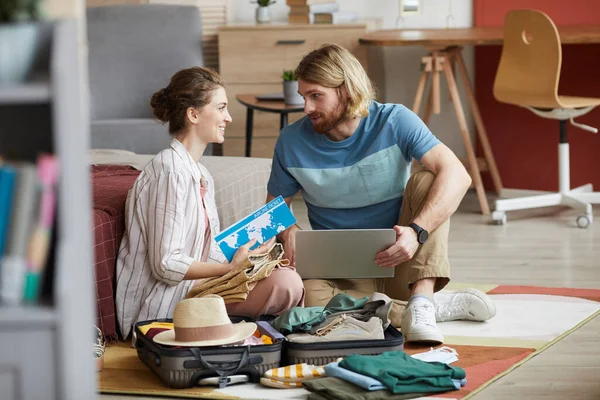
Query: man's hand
[
  {"x": 403, "y": 250},
  {"x": 288, "y": 238}
]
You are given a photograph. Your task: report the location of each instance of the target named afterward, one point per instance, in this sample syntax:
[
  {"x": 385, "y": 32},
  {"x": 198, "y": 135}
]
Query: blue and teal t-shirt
[{"x": 357, "y": 183}]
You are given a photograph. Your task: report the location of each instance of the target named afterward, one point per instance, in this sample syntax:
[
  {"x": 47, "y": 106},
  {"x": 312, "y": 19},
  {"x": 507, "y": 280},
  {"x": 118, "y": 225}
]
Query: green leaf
[
  {"x": 20, "y": 10},
  {"x": 264, "y": 3},
  {"x": 289, "y": 75}
]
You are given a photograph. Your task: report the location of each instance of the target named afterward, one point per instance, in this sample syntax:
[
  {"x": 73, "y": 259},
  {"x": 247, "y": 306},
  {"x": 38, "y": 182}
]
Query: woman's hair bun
[{"x": 160, "y": 105}]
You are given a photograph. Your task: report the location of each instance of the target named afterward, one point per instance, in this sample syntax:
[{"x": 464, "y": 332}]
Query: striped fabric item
[
  {"x": 279, "y": 384},
  {"x": 292, "y": 376},
  {"x": 206, "y": 248}
]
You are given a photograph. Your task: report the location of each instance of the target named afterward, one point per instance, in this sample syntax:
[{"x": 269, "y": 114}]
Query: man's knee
[
  {"x": 421, "y": 180},
  {"x": 417, "y": 190},
  {"x": 318, "y": 292}
]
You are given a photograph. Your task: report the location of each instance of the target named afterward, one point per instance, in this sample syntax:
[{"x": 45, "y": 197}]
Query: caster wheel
[
  {"x": 583, "y": 221},
  {"x": 499, "y": 217}
]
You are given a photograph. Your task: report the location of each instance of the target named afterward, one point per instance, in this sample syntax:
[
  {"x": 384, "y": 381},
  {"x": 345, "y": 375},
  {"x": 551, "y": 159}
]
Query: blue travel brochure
[{"x": 262, "y": 225}]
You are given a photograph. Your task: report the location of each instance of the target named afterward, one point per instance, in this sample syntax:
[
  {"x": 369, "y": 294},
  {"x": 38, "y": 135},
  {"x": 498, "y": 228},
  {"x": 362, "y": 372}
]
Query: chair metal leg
[
  {"x": 580, "y": 198},
  {"x": 506, "y": 193},
  {"x": 588, "y": 187},
  {"x": 588, "y": 197},
  {"x": 564, "y": 172},
  {"x": 523, "y": 203},
  {"x": 576, "y": 203}
]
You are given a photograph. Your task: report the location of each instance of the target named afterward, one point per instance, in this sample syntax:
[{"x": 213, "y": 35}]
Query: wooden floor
[{"x": 543, "y": 248}]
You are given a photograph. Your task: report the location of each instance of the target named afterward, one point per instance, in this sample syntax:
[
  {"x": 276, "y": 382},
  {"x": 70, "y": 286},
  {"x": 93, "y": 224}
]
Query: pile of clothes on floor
[
  {"x": 335, "y": 335},
  {"x": 391, "y": 375}
]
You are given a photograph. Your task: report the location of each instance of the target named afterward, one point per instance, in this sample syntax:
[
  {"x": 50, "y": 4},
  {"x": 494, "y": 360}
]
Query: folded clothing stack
[
  {"x": 393, "y": 375},
  {"x": 344, "y": 318}
]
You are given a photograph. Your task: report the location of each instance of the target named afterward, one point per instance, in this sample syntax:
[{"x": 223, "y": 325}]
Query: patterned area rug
[{"x": 528, "y": 320}]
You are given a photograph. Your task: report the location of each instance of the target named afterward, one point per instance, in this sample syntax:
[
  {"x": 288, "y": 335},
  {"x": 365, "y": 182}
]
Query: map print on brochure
[{"x": 262, "y": 225}]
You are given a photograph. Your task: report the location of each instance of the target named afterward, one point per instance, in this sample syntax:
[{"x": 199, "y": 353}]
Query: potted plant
[
  {"x": 18, "y": 38},
  {"x": 262, "y": 11},
  {"x": 290, "y": 88}
]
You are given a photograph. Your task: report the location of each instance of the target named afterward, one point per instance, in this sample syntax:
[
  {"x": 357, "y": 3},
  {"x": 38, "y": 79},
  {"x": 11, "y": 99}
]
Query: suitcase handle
[
  {"x": 222, "y": 368},
  {"x": 251, "y": 372}
]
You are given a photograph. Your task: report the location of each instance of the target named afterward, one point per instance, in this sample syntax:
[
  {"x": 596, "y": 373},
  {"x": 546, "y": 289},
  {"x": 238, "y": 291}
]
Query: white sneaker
[
  {"x": 343, "y": 328},
  {"x": 470, "y": 305},
  {"x": 418, "y": 322}
]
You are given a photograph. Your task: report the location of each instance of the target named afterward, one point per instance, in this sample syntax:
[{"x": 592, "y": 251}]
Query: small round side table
[{"x": 276, "y": 106}]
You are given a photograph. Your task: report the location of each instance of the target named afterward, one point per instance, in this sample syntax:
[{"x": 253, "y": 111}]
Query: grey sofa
[{"x": 133, "y": 52}]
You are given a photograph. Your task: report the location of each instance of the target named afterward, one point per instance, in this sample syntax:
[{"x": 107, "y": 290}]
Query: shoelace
[
  {"x": 453, "y": 310},
  {"x": 423, "y": 313},
  {"x": 332, "y": 326}
]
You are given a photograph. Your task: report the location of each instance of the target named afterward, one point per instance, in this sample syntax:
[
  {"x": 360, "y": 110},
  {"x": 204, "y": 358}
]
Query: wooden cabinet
[{"x": 252, "y": 59}]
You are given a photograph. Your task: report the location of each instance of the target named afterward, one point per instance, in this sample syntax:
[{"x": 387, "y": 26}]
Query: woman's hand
[
  {"x": 263, "y": 248},
  {"x": 241, "y": 254}
]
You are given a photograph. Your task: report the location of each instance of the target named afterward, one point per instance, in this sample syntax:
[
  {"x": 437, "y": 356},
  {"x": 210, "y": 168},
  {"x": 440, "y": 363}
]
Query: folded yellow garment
[
  {"x": 235, "y": 298},
  {"x": 237, "y": 283},
  {"x": 145, "y": 328},
  {"x": 295, "y": 373},
  {"x": 266, "y": 339},
  {"x": 280, "y": 385}
]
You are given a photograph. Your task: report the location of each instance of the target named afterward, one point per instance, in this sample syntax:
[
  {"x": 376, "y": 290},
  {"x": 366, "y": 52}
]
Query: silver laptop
[{"x": 344, "y": 253}]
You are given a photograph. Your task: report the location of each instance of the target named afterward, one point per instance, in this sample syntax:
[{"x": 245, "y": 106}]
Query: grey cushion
[
  {"x": 142, "y": 136},
  {"x": 134, "y": 50}
]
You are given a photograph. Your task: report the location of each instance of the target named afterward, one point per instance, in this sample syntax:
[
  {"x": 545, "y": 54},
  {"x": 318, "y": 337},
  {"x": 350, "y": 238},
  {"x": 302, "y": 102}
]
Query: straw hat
[{"x": 203, "y": 321}]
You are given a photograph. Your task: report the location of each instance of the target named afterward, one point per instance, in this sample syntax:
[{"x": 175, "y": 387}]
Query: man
[{"x": 351, "y": 157}]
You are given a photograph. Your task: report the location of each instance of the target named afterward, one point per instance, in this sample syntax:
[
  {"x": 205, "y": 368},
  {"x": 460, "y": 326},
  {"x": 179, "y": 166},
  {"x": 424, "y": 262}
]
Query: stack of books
[
  {"x": 27, "y": 219},
  {"x": 319, "y": 12}
]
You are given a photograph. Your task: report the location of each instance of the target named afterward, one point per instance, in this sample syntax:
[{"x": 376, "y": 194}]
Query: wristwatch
[{"x": 422, "y": 234}]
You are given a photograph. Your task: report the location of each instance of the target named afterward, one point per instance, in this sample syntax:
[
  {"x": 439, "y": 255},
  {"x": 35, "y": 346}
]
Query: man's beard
[{"x": 331, "y": 120}]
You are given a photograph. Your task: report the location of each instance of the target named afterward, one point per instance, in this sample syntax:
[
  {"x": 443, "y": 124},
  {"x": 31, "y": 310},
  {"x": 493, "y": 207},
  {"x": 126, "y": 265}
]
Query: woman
[{"x": 171, "y": 217}]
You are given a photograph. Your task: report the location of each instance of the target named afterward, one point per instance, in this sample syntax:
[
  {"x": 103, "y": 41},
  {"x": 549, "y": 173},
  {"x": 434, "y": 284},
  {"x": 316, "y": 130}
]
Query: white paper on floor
[
  {"x": 526, "y": 317},
  {"x": 256, "y": 391}
]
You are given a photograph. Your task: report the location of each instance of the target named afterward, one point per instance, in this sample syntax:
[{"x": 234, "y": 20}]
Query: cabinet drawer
[{"x": 261, "y": 55}]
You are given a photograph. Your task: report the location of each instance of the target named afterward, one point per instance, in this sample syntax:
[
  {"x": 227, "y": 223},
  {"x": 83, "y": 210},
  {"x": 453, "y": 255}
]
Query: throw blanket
[{"x": 234, "y": 286}]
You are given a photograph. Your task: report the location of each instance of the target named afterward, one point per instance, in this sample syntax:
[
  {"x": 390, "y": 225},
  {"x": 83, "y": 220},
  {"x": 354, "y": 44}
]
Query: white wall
[{"x": 395, "y": 70}]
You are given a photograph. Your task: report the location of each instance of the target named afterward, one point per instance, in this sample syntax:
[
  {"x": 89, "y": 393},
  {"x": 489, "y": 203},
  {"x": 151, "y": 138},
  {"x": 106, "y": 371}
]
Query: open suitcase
[
  {"x": 184, "y": 367},
  {"x": 328, "y": 352}
]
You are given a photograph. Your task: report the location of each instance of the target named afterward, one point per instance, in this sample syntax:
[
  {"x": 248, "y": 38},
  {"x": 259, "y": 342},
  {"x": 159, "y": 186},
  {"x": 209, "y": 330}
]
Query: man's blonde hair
[{"x": 333, "y": 66}]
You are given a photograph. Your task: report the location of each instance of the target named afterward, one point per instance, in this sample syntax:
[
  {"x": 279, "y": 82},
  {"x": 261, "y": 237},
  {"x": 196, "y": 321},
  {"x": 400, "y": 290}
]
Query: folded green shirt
[
  {"x": 300, "y": 319},
  {"x": 401, "y": 373}
]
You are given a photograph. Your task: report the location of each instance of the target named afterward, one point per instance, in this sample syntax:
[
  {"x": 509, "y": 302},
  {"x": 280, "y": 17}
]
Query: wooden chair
[{"x": 528, "y": 76}]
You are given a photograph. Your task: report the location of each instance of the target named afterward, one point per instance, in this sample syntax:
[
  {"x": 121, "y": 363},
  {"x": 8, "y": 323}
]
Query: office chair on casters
[{"x": 528, "y": 76}]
